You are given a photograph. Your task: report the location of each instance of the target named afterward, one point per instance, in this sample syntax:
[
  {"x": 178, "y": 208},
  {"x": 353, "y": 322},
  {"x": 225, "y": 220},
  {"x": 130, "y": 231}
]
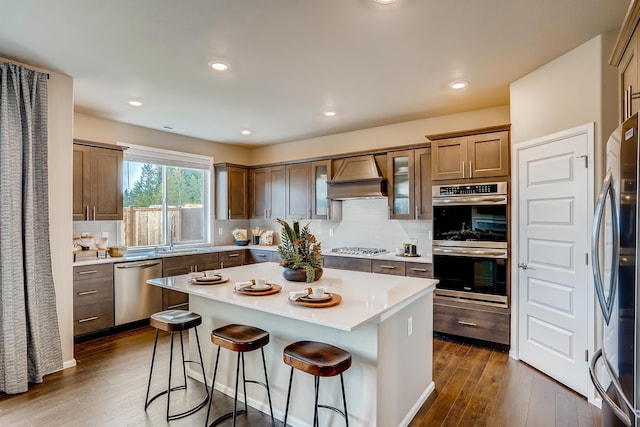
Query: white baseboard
[{"x": 68, "y": 364}]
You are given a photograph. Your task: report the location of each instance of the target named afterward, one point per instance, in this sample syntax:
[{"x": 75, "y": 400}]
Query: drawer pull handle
[
  {"x": 421, "y": 270},
  {"x": 88, "y": 272},
  {"x": 183, "y": 304},
  {"x": 87, "y": 293},
  {"x": 391, "y": 267},
  {"x": 88, "y": 319},
  {"x": 262, "y": 255},
  {"x": 464, "y": 323},
  {"x": 233, "y": 255}
]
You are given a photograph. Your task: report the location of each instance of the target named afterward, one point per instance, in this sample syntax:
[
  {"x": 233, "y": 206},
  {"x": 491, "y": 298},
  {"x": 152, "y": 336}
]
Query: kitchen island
[{"x": 385, "y": 321}]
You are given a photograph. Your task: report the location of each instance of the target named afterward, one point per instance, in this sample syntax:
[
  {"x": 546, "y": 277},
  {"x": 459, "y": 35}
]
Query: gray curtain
[{"x": 29, "y": 337}]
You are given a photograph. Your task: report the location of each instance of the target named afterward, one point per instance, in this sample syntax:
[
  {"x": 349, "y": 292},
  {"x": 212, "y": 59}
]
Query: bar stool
[
  {"x": 320, "y": 360},
  {"x": 241, "y": 339},
  {"x": 176, "y": 321}
]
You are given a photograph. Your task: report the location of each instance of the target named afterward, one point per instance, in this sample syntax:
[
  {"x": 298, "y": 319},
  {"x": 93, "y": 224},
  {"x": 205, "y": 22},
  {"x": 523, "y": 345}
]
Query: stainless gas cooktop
[{"x": 355, "y": 250}]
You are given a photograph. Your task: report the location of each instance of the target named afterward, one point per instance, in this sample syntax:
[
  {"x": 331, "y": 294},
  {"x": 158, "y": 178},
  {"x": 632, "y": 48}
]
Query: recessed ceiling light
[
  {"x": 385, "y": 1},
  {"x": 219, "y": 65},
  {"x": 245, "y": 132},
  {"x": 329, "y": 113},
  {"x": 135, "y": 103},
  {"x": 460, "y": 84}
]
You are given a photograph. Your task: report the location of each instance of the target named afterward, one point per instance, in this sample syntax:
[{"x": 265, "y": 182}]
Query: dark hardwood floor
[{"x": 475, "y": 386}]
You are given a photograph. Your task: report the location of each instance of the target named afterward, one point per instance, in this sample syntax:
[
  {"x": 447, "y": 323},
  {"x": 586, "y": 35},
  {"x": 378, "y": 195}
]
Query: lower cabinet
[
  {"x": 471, "y": 320},
  {"x": 418, "y": 269},
  {"x": 233, "y": 258},
  {"x": 397, "y": 268},
  {"x": 263, "y": 255},
  {"x": 184, "y": 264},
  {"x": 92, "y": 298},
  {"x": 347, "y": 263}
]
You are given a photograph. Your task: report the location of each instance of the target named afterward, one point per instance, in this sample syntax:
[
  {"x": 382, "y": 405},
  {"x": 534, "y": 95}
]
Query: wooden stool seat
[
  {"x": 316, "y": 358},
  {"x": 240, "y": 338},
  {"x": 175, "y": 320},
  {"x": 320, "y": 360}
]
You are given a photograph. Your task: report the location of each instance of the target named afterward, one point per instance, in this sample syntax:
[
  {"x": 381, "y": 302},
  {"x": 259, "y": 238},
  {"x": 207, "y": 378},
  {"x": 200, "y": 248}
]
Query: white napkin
[
  {"x": 242, "y": 285},
  {"x": 297, "y": 294}
]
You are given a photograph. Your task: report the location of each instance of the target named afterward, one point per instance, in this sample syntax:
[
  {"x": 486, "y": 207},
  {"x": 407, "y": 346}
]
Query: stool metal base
[
  {"x": 179, "y": 387},
  {"x": 236, "y": 412},
  {"x": 316, "y": 404}
]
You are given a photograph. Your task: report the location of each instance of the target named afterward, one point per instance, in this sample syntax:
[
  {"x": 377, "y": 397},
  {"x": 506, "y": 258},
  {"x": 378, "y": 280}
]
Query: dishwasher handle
[{"x": 138, "y": 264}]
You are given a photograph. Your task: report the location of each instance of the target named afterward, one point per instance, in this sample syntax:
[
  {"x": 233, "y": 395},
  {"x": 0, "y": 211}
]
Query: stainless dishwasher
[{"x": 133, "y": 298}]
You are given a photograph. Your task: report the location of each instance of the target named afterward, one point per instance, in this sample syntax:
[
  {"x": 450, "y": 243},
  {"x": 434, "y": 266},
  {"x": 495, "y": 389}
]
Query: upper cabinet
[
  {"x": 625, "y": 58},
  {"x": 97, "y": 181},
  {"x": 298, "y": 196},
  {"x": 482, "y": 153},
  {"x": 409, "y": 189},
  {"x": 232, "y": 183},
  {"x": 267, "y": 191},
  {"x": 400, "y": 169},
  {"x": 320, "y": 175}
]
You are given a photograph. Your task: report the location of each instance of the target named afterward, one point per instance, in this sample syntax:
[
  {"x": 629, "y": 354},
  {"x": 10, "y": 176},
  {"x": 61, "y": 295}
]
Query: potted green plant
[{"x": 300, "y": 253}]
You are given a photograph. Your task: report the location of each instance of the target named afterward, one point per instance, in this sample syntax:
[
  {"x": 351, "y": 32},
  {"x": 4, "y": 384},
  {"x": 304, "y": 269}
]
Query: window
[{"x": 166, "y": 197}]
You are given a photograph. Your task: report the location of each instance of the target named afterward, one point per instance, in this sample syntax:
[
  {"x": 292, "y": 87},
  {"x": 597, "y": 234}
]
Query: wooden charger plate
[
  {"x": 274, "y": 290},
  {"x": 335, "y": 300}
]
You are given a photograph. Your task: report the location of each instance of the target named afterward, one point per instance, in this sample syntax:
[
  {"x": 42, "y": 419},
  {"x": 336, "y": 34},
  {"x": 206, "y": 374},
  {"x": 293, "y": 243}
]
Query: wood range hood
[{"x": 357, "y": 178}]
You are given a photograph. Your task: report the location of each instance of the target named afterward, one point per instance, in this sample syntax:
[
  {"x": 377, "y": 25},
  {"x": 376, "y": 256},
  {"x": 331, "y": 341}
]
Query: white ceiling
[{"x": 293, "y": 59}]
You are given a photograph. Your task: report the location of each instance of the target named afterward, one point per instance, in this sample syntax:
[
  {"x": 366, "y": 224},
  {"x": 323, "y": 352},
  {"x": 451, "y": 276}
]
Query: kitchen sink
[{"x": 179, "y": 251}]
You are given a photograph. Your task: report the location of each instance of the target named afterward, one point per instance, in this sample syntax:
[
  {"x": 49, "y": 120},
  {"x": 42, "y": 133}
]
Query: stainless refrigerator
[{"x": 614, "y": 368}]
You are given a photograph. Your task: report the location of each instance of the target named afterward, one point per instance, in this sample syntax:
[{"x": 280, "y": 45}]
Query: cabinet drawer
[
  {"x": 418, "y": 269},
  {"x": 396, "y": 268},
  {"x": 174, "y": 299},
  {"x": 471, "y": 323},
  {"x": 172, "y": 262},
  {"x": 232, "y": 258},
  {"x": 92, "y": 291},
  {"x": 86, "y": 272},
  {"x": 347, "y": 263},
  {"x": 94, "y": 317},
  {"x": 258, "y": 255}
]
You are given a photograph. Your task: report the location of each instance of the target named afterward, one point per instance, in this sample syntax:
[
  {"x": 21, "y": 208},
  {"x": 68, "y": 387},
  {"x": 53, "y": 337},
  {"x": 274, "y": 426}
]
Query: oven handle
[
  {"x": 466, "y": 200},
  {"x": 485, "y": 253}
]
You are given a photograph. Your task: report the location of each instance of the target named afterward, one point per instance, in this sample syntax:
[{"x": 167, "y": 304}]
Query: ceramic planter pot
[{"x": 300, "y": 275}]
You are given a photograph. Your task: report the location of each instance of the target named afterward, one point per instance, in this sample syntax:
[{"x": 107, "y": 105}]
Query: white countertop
[
  {"x": 139, "y": 256},
  {"x": 366, "y": 297}
]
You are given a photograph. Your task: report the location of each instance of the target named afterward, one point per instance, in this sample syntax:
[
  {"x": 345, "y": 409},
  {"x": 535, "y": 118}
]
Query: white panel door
[{"x": 552, "y": 248}]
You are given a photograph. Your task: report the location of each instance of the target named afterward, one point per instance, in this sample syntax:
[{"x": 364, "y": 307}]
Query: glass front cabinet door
[
  {"x": 320, "y": 174},
  {"x": 401, "y": 186}
]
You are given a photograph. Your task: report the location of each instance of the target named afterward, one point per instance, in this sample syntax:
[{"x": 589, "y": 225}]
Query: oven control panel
[{"x": 470, "y": 189}]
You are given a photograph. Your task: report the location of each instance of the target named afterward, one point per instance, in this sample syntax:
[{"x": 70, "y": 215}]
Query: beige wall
[
  {"x": 574, "y": 89},
  {"x": 60, "y": 90},
  {"x": 399, "y": 134},
  {"x": 97, "y": 129}
]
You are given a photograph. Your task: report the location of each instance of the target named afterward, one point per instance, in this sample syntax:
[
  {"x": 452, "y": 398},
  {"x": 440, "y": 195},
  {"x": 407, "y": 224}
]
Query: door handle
[
  {"x": 524, "y": 266},
  {"x": 617, "y": 410},
  {"x": 606, "y": 304}
]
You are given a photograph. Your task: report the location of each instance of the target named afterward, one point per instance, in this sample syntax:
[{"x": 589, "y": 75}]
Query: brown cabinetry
[
  {"x": 298, "y": 195},
  {"x": 397, "y": 268},
  {"x": 92, "y": 298},
  {"x": 472, "y": 154},
  {"x": 419, "y": 269},
  {"x": 347, "y": 263},
  {"x": 232, "y": 184},
  {"x": 175, "y": 266},
  {"x": 267, "y": 191},
  {"x": 477, "y": 321},
  {"x": 263, "y": 255},
  {"x": 625, "y": 58},
  {"x": 233, "y": 258},
  {"x": 409, "y": 187},
  {"x": 97, "y": 181}
]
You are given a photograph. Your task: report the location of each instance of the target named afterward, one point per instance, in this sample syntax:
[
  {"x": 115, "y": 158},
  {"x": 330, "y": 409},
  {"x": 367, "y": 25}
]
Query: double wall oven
[{"x": 470, "y": 251}]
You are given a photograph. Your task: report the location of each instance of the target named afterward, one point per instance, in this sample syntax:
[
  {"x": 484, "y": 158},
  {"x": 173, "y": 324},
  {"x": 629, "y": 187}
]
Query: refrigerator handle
[
  {"x": 606, "y": 304},
  {"x": 622, "y": 416}
]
